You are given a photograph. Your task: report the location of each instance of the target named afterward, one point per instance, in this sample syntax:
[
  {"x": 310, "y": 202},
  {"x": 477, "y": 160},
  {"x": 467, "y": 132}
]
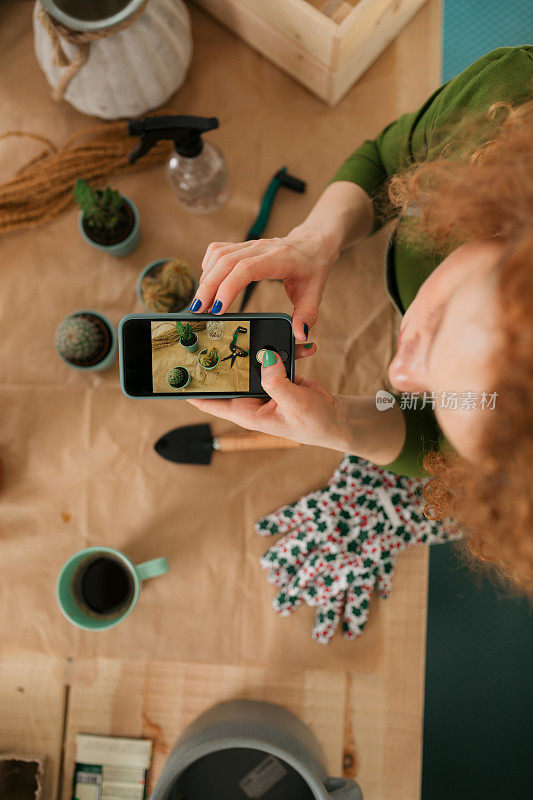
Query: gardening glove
[{"x": 342, "y": 541}]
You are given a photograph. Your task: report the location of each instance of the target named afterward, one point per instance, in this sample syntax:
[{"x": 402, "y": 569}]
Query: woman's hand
[
  {"x": 301, "y": 260},
  {"x": 342, "y": 216},
  {"x": 303, "y": 411},
  {"x": 306, "y": 412}
]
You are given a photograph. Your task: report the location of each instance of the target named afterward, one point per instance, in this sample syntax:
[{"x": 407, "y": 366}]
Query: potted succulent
[
  {"x": 188, "y": 338},
  {"x": 208, "y": 358},
  {"x": 178, "y": 377},
  {"x": 86, "y": 340},
  {"x": 166, "y": 286},
  {"x": 108, "y": 220}
]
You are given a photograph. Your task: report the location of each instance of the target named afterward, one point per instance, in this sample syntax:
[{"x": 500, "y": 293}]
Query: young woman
[{"x": 459, "y": 173}]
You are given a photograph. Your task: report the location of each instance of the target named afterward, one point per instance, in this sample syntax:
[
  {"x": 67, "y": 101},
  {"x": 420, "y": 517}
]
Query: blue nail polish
[
  {"x": 216, "y": 307},
  {"x": 306, "y": 330},
  {"x": 195, "y": 305}
]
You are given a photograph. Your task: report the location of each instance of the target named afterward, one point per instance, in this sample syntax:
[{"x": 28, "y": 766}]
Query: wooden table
[{"x": 369, "y": 718}]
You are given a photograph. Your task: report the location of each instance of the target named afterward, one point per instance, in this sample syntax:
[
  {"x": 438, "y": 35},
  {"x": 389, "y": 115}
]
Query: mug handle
[
  {"x": 151, "y": 569},
  {"x": 343, "y": 789}
]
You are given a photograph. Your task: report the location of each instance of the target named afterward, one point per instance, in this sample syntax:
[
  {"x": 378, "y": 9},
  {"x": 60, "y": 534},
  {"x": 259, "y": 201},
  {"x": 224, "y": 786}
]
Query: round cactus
[
  {"x": 177, "y": 377},
  {"x": 168, "y": 287},
  {"x": 83, "y": 339}
]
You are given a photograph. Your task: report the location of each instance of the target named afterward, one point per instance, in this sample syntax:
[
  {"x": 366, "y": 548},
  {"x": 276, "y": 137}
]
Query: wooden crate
[{"x": 324, "y": 44}]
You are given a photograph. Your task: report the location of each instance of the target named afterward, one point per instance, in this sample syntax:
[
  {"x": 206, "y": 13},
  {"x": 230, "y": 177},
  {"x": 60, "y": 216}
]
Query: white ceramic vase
[{"x": 130, "y": 72}]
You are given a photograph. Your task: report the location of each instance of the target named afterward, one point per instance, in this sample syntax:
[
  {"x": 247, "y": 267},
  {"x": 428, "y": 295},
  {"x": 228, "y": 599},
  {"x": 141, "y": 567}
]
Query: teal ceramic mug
[{"x": 70, "y": 592}]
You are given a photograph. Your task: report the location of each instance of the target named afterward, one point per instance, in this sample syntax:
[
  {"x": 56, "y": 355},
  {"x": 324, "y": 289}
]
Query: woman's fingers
[
  {"x": 314, "y": 386},
  {"x": 304, "y": 350},
  {"x": 218, "y": 249},
  {"x": 247, "y": 269},
  {"x": 275, "y": 382},
  {"x": 240, "y": 410},
  {"x": 228, "y": 260},
  {"x": 209, "y": 283},
  {"x": 306, "y": 297},
  {"x": 251, "y": 266}
]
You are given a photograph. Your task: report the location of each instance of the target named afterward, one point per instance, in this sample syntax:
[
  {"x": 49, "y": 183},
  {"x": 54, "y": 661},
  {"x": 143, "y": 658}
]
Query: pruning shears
[
  {"x": 236, "y": 351},
  {"x": 281, "y": 178}
]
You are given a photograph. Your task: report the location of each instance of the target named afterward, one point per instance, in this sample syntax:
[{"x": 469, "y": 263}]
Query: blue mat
[
  {"x": 478, "y": 736},
  {"x": 472, "y": 28}
]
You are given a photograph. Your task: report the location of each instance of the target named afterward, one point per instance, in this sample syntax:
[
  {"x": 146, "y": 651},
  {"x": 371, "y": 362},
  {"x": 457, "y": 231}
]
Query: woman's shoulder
[{"x": 504, "y": 74}]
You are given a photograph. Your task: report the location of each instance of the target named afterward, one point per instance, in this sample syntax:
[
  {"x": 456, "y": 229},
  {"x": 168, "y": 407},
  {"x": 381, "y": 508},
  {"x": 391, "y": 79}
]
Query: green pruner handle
[
  {"x": 151, "y": 569},
  {"x": 238, "y": 329}
]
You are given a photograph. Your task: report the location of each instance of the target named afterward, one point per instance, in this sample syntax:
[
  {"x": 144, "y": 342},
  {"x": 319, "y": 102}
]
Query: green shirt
[{"x": 503, "y": 74}]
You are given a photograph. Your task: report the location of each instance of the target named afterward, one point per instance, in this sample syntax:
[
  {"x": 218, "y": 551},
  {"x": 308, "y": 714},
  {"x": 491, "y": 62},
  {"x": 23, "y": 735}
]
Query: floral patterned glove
[{"x": 342, "y": 541}]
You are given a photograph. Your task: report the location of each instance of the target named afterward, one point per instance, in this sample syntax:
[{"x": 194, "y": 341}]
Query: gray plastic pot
[{"x": 235, "y": 742}]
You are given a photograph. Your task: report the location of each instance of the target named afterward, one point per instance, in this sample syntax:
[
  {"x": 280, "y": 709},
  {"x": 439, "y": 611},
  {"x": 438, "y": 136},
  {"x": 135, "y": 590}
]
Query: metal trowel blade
[{"x": 190, "y": 444}]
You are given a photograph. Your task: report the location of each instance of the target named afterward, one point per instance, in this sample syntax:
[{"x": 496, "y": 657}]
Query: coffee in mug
[{"x": 103, "y": 585}]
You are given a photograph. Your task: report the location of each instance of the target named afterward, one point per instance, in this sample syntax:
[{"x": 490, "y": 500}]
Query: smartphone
[{"x": 221, "y": 357}]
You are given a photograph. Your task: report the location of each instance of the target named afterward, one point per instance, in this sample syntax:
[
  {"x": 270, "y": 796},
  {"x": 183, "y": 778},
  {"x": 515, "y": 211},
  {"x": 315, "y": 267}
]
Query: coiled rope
[{"x": 42, "y": 189}]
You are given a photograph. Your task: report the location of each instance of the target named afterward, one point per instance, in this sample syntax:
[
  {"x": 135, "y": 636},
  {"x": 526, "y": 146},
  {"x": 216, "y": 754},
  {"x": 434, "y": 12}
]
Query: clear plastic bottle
[
  {"x": 197, "y": 170},
  {"x": 202, "y": 182},
  {"x": 215, "y": 328}
]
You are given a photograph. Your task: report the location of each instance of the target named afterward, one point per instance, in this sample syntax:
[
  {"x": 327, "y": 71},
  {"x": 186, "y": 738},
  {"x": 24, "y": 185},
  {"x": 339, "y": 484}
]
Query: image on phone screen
[
  {"x": 182, "y": 355},
  {"x": 221, "y": 362}
]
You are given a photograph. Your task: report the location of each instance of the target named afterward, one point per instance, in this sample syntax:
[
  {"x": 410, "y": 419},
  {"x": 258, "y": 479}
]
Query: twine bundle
[
  {"x": 42, "y": 189},
  {"x": 172, "y": 336},
  {"x": 165, "y": 339}
]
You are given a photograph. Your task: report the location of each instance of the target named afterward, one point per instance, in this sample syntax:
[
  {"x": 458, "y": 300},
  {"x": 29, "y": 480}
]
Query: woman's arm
[
  {"x": 342, "y": 216},
  {"x": 378, "y": 436}
]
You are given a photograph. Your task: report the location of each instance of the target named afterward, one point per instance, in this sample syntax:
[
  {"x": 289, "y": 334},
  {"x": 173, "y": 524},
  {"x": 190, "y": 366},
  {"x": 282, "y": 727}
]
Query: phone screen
[
  {"x": 199, "y": 355},
  {"x": 217, "y": 361}
]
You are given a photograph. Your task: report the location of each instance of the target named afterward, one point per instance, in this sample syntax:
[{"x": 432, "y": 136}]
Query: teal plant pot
[
  {"x": 120, "y": 249},
  {"x": 187, "y": 382},
  {"x": 144, "y": 272},
  {"x": 192, "y": 348},
  {"x": 202, "y": 366},
  {"x": 111, "y": 356}
]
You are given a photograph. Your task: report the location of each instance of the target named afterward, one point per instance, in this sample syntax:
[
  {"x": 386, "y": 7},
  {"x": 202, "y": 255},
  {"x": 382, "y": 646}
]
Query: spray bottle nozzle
[{"x": 185, "y": 132}]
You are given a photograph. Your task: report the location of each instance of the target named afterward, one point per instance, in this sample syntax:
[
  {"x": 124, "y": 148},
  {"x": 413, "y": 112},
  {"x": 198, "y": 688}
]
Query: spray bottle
[{"x": 197, "y": 170}]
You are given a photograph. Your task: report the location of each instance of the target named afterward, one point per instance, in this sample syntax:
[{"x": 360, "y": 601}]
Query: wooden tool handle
[{"x": 253, "y": 441}]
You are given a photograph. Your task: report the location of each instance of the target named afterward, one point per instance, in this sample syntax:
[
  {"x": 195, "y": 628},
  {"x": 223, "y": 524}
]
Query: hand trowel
[{"x": 194, "y": 444}]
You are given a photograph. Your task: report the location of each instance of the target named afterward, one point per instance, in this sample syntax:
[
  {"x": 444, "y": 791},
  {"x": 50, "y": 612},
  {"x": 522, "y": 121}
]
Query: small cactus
[
  {"x": 186, "y": 332},
  {"x": 177, "y": 377},
  {"x": 82, "y": 339},
  {"x": 168, "y": 288},
  {"x": 103, "y": 209},
  {"x": 209, "y": 357}
]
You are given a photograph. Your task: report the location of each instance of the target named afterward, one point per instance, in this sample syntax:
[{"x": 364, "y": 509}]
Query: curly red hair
[{"x": 480, "y": 191}]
